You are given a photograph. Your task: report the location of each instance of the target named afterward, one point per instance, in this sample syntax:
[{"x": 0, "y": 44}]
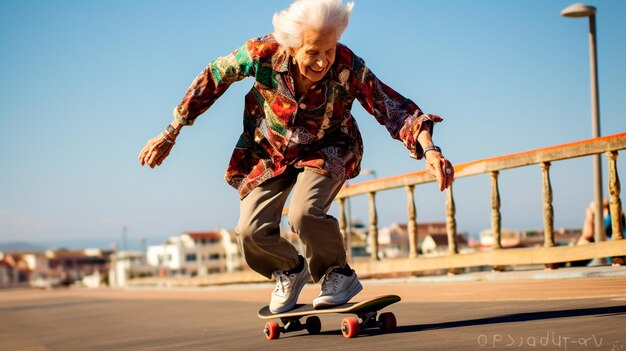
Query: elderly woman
[{"x": 300, "y": 138}]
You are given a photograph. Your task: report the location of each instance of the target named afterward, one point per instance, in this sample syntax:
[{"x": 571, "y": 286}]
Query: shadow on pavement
[
  {"x": 50, "y": 305},
  {"x": 518, "y": 317}
]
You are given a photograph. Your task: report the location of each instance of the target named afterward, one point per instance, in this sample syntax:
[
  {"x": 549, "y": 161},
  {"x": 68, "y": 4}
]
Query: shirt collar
[{"x": 281, "y": 61}]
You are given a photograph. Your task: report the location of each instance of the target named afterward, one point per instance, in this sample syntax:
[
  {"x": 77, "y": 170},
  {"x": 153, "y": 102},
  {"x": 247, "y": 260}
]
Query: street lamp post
[{"x": 575, "y": 11}]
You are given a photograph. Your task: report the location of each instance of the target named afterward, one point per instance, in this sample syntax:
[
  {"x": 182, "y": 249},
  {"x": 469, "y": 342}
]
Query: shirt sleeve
[
  {"x": 212, "y": 82},
  {"x": 401, "y": 116}
]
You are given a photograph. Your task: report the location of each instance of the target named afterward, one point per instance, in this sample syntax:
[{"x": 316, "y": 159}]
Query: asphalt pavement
[{"x": 578, "y": 312}]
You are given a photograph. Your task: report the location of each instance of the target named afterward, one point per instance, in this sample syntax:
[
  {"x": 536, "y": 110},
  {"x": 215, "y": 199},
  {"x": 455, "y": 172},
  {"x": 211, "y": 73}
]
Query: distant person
[
  {"x": 300, "y": 137},
  {"x": 588, "y": 233}
]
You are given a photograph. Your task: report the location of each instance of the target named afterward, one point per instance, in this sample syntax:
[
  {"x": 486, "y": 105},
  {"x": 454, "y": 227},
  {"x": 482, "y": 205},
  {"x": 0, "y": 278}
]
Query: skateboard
[{"x": 365, "y": 311}]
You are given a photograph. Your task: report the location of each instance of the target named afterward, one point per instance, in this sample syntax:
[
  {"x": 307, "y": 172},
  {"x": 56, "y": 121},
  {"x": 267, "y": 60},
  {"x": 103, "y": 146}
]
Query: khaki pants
[{"x": 258, "y": 228}]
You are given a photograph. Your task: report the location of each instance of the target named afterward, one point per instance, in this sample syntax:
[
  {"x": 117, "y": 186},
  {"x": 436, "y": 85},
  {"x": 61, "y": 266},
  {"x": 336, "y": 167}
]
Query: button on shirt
[{"x": 317, "y": 132}]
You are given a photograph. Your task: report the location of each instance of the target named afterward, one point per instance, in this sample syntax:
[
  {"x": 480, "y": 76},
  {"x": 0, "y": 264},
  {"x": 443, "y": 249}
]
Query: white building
[
  {"x": 508, "y": 237},
  {"x": 234, "y": 258},
  {"x": 166, "y": 257},
  {"x": 127, "y": 265},
  {"x": 437, "y": 245},
  {"x": 197, "y": 254}
]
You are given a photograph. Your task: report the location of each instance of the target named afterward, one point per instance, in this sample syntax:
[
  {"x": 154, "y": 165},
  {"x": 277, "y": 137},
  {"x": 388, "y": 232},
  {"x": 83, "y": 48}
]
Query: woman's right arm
[
  {"x": 206, "y": 88},
  {"x": 213, "y": 81}
]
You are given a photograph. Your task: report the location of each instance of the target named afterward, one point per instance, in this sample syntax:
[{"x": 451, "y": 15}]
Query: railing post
[
  {"x": 412, "y": 225},
  {"x": 495, "y": 211},
  {"x": 615, "y": 205},
  {"x": 614, "y": 192},
  {"x": 451, "y": 229},
  {"x": 373, "y": 232},
  {"x": 496, "y": 218},
  {"x": 343, "y": 228},
  {"x": 548, "y": 210},
  {"x": 451, "y": 222}
]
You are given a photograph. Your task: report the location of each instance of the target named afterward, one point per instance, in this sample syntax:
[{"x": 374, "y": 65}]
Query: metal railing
[{"x": 548, "y": 255}]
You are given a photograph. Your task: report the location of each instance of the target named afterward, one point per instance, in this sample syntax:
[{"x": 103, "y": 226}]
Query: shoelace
[
  {"x": 282, "y": 283},
  {"x": 331, "y": 282}
]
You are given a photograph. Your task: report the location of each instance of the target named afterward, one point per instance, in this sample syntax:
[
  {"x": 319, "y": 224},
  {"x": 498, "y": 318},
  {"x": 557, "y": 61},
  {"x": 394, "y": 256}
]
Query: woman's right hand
[{"x": 155, "y": 151}]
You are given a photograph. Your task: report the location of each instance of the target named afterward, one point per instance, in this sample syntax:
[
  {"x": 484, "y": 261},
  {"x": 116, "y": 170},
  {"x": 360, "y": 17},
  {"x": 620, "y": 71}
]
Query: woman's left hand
[
  {"x": 155, "y": 151},
  {"x": 440, "y": 168}
]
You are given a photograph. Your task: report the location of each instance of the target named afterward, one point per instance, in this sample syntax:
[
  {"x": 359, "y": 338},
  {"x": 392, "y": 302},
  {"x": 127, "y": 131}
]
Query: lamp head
[{"x": 578, "y": 10}]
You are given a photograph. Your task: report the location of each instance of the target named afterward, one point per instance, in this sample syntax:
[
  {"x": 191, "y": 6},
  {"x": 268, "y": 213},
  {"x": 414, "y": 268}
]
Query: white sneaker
[
  {"x": 337, "y": 289},
  {"x": 288, "y": 287}
]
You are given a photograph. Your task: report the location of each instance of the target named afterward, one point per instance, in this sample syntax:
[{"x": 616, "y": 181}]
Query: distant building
[
  {"x": 233, "y": 256},
  {"x": 127, "y": 265},
  {"x": 19, "y": 268},
  {"x": 562, "y": 237},
  {"x": 197, "y": 254},
  {"x": 508, "y": 238},
  {"x": 53, "y": 267},
  {"x": 358, "y": 238},
  {"x": 9, "y": 273},
  {"x": 165, "y": 257},
  {"x": 437, "y": 244},
  {"x": 74, "y": 265},
  {"x": 511, "y": 238},
  {"x": 393, "y": 241}
]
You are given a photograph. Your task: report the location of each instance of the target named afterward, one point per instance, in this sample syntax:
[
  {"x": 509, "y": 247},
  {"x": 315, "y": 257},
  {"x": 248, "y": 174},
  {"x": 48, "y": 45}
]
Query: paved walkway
[{"x": 564, "y": 310}]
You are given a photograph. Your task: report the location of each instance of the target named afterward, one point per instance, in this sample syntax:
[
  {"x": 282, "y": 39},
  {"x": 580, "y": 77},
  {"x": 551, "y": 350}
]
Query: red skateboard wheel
[
  {"x": 387, "y": 322},
  {"x": 350, "y": 327},
  {"x": 272, "y": 330}
]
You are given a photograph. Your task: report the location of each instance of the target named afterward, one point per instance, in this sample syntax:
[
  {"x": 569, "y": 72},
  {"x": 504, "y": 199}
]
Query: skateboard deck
[{"x": 366, "y": 312}]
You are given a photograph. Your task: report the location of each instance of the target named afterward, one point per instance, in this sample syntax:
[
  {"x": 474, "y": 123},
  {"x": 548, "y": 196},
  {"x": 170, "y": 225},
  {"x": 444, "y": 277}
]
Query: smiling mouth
[{"x": 317, "y": 71}]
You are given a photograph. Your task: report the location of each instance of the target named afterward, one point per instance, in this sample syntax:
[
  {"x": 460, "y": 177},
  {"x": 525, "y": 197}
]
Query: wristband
[
  {"x": 167, "y": 139},
  {"x": 169, "y": 135},
  {"x": 431, "y": 148},
  {"x": 170, "y": 129}
]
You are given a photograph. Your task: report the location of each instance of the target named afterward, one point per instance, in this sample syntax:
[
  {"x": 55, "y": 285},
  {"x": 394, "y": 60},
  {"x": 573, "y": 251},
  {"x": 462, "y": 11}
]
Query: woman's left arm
[{"x": 403, "y": 119}]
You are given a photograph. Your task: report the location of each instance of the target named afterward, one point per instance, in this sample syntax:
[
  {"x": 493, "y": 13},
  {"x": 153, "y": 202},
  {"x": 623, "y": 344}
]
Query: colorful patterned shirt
[{"x": 316, "y": 132}]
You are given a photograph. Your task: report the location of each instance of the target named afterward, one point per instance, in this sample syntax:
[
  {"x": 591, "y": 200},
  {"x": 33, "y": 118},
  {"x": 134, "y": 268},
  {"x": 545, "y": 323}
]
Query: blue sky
[{"x": 85, "y": 84}]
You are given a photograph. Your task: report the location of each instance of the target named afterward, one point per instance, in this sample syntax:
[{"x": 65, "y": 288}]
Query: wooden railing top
[{"x": 553, "y": 153}]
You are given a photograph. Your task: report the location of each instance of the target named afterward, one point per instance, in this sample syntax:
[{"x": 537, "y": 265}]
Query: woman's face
[{"x": 316, "y": 54}]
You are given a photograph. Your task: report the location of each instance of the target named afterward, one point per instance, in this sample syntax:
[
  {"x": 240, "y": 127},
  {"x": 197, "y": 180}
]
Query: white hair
[{"x": 317, "y": 15}]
